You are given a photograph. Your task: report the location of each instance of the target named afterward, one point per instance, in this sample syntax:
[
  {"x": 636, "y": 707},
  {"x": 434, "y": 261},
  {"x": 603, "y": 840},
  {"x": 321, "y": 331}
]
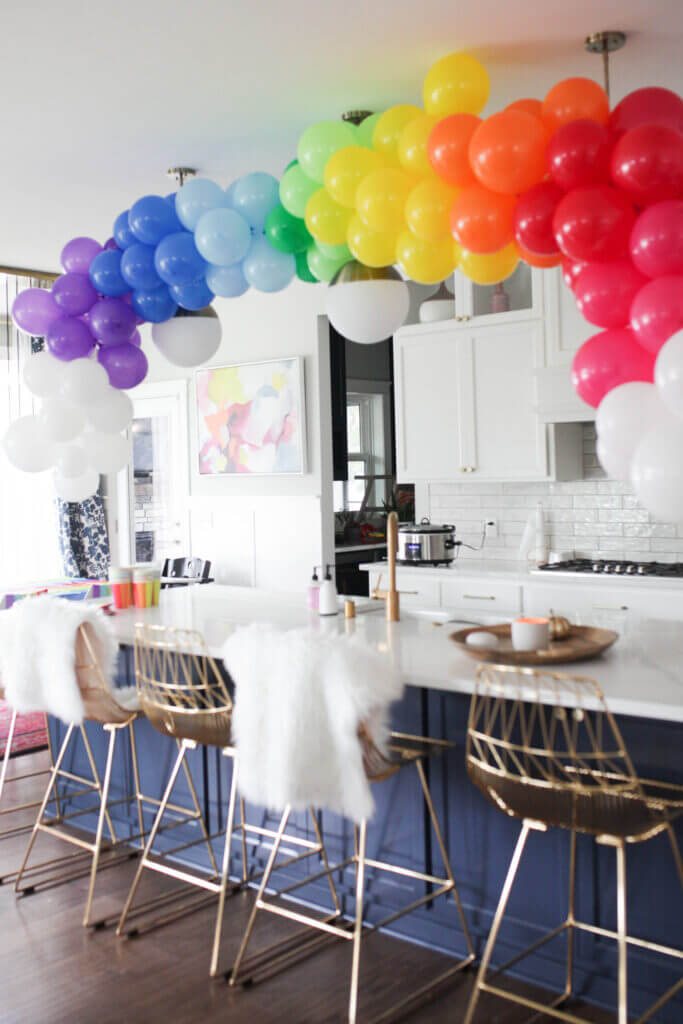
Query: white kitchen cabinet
[
  {"x": 482, "y": 596},
  {"x": 584, "y": 601},
  {"x": 565, "y": 328},
  {"x": 522, "y": 292},
  {"x": 416, "y": 589}
]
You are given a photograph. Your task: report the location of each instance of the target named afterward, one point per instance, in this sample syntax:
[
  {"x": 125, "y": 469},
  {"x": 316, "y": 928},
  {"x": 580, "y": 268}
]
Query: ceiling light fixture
[
  {"x": 367, "y": 304},
  {"x": 189, "y": 338},
  {"x": 605, "y": 43}
]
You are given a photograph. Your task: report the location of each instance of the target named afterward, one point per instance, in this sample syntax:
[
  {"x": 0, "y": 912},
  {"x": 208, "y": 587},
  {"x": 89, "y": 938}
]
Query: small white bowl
[{"x": 481, "y": 638}]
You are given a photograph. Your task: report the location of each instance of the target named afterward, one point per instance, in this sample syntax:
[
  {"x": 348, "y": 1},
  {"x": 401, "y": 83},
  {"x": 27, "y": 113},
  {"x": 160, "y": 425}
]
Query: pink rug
[{"x": 29, "y": 732}]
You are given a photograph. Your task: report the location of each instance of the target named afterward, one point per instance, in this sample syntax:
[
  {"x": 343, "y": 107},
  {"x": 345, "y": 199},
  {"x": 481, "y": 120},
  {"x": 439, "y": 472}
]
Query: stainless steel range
[{"x": 612, "y": 567}]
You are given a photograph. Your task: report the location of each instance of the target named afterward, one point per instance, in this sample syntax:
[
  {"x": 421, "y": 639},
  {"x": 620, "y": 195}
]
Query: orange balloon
[
  {"x": 482, "y": 221},
  {"x": 448, "y": 145},
  {"x": 534, "y": 260},
  {"x": 574, "y": 99},
  {"x": 507, "y": 152},
  {"x": 533, "y": 107}
]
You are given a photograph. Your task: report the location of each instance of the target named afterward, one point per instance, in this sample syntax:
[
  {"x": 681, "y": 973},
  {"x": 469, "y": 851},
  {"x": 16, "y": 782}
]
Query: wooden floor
[{"x": 53, "y": 970}]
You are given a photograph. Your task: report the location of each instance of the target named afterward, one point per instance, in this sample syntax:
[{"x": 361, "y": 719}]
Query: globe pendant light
[
  {"x": 367, "y": 304},
  {"x": 439, "y": 306},
  {"x": 189, "y": 338}
]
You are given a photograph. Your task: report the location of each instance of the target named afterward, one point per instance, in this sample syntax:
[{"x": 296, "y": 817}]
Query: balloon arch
[{"x": 430, "y": 190}]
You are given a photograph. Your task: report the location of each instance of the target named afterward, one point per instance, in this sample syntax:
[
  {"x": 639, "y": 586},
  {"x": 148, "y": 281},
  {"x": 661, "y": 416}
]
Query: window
[{"x": 367, "y": 423}]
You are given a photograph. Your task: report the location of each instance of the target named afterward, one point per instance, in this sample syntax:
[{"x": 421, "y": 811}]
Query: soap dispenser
[
  {"x": 327, "y": 598},
  {"x": 313, "y": 591}
]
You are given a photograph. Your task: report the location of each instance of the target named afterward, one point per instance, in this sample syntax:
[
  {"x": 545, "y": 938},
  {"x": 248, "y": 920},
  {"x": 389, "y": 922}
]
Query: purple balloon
[
  {"x": 112, "y": 321},
  {"x": 34, "y": 310},
  {"x": 78, "y": 254},
  {"x": 74, "y": 294},
  {"x": 128, "y": 299},
  {"x": 135, "y": 339},
  {"x": 69, "y": 338},
  {"x": 110, "y": 244},
  {"x": 125, "y": 364}
]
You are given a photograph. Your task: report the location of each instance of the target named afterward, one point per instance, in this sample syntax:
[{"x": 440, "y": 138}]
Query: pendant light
[
  {"x": 367, "y": 304},
  {"x": 439, "y": 306},
  {"x": 189, "y": 338}
]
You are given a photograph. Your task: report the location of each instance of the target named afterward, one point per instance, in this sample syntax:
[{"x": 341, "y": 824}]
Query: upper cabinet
[
  {"x": 565, "y": 332},
  {"x": 513, "y": 300}
]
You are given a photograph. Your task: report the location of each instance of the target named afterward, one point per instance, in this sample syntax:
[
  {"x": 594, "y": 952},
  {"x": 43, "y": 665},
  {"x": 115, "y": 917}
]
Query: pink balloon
[
  {"x": 578, "y": 154},
  {"x": 533, "y": 218},
  {"x": 657, "y": 239},
  {"x": 657, "y": 311},
  {"x": 647, "y": 163},
  {"x": 647, "y": 106},
  {"x": 608, "y": 359},
  {"x": 593, "y": 224},
  {"x": 604, "y": 292},
  {"x": 571, "y": 270}
]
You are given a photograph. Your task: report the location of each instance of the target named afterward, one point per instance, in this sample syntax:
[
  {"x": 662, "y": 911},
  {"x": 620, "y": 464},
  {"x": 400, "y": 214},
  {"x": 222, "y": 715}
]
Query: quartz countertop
[{"x": 641, "y": 675}]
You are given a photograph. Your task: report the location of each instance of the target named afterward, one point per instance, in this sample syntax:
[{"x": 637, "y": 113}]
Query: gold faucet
[{"x": 390, "y": 595}]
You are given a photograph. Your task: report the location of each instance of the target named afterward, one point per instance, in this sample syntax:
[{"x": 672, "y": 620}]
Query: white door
[{"x": 153, "y": 490}]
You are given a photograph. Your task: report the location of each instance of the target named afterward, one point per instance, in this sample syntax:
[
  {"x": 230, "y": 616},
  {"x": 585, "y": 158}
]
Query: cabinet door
[
  {"x": 427, "y": 404},
  {"x": 502, "y": 436},
  {"x": 566, "y": 329},
  {"x": 517, "y": 298}
]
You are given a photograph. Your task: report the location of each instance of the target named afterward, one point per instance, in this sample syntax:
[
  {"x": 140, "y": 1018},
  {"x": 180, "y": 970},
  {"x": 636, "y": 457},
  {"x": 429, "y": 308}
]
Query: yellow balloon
[
  {"x": 381, "y": 199},
  {"x": 425, "y": 262},
  {"x": 457, "y": 84},
  {"x": 412, "y": 146},
  {"x": 389, "y": 127},
  {"x": 372, "y": 248},
  {"x": 345, "y": 170},
  {"x": 326, "y": 220},
  {"x": 428, "y": 210},
  {"x": 488, "y": 268}
]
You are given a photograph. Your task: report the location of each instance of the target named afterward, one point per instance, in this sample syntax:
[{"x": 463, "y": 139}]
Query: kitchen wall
[{"x": 592, "y": 516}]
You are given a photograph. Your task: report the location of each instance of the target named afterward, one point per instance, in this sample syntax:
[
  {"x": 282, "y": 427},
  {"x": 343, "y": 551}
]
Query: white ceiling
[{"x": 100, "y": 98}]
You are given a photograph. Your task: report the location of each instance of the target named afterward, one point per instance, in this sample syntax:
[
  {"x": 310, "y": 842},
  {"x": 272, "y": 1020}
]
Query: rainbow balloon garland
[{"x": 431, "y": 190}]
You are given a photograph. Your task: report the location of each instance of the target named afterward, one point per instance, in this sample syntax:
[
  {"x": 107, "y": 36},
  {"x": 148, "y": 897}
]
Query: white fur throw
[
  {"x": 38, "y": 655},
  {"x": 300, "y": 697}
]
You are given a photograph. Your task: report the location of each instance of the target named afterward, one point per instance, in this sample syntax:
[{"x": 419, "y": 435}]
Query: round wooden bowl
[{"x": 582, "y": 643}]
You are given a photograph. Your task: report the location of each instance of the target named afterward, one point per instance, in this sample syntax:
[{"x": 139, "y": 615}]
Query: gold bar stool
[
  {"x": 4, "y": 780},
  {"x": 543, "y": 747},
  {"x": 404, "y": 750},
  {"x": 184, "y": 695}
]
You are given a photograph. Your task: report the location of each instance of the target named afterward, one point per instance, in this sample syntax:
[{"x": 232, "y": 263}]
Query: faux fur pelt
[
  {"x": 38, "y": 654},
  {"x": 300, "y": 698}
]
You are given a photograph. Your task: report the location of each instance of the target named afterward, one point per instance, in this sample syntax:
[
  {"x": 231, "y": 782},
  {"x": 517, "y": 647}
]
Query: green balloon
[
  {"x": 290, "y": 164},
  {"x": 318, "y": 143},
  {"x": 286, "y": 233},
  {"x": 295, "y": 190},
  {"x": 302, "y": 270},
  {"x": 323, "y": 268},
  {"x": 335, "y": 252},
  {"x": 366, "y": 128}
]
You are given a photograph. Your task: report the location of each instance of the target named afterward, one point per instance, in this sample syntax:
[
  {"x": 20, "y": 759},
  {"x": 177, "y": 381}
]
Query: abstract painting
[{"x": 250, "y": 418}]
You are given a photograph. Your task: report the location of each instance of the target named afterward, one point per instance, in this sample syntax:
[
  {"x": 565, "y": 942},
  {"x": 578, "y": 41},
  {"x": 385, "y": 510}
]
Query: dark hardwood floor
[{"x": 52, "y": 970}]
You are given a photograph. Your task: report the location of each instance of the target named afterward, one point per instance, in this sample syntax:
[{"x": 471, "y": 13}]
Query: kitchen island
[{"x": 642, "y": 678}]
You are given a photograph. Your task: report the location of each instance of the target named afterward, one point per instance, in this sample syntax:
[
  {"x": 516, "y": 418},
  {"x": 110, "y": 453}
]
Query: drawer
[
  {"x": 490, "y": 598},
  {"x": 417, "y": 591},
  {"x": 582, "y": 601}
]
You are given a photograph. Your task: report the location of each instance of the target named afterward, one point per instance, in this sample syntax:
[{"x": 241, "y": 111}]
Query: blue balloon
[
  {"x": 222, "y": 237},
  {"x": 177, "y": 260},
  {"x": 228, "y": 282},
  {"x": 154, "y": 304},
  {"x": 198, "y": 196},
  {"x": 254, "y": 196},
  {"x": 105, "y": 273},
  {"x": 151, "y": 219},
  {"x": 137, "y": 267},
  {"x": 123, "y": 236},
  {"x": 230, "y": 192},
  {"x": 267, "y": 269},
  {"x": 195, "y": 295}
]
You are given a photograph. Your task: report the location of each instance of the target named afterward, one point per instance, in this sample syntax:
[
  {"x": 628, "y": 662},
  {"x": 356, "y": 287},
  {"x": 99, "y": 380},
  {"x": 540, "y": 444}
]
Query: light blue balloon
[
  {"x": 230, "y": 191},
  {"x": 266, "y": 269},
  {"x": 223, "y": 237},
  {"x": 196, "y": 197},
  {"x": 254, "y": 196},
  {"x": 228, "y": 282}
]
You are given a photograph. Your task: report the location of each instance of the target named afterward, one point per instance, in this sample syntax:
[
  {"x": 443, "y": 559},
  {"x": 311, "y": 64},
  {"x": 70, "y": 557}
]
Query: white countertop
[
  {"x": 641, "y": 675},
  {"x": 361, "y": 547}
]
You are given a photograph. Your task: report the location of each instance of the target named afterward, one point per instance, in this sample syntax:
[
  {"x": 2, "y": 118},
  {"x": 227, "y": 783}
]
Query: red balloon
[
  {"x": 534, "y": 218},
  {"x": 657, "y": 311},
  {"x": 578, "y": 154},
  {"x": 571, "y": 270},
  {"x": 607, "y": 360},
  {"x": 657, "y": 239},
  {"x": 593, "y": 224},
  {"x": 604, "y": 292},
  {"x": 647, "y": 106},
  {"x": 647, "y": 163}
]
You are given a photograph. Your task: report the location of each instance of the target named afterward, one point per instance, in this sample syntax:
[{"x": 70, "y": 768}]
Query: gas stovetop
[{"x": 614, "y": 567}]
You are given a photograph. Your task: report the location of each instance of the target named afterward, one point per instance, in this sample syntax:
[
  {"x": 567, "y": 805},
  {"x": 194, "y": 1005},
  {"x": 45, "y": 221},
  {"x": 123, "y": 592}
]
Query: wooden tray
[{"x": 582, "y": 643}]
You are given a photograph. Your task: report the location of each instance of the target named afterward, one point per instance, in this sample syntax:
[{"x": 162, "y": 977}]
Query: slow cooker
[{"x": 426, "y": 543}]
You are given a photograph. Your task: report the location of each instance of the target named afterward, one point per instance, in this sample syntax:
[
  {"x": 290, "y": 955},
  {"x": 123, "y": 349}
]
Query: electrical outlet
[{"x": 491, "y": 527}]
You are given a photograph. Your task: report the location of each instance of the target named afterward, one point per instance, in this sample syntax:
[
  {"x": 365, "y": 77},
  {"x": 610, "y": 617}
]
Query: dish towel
[
  {"x": 300, "y": 698},
  {"x": 38, "y": 656}
]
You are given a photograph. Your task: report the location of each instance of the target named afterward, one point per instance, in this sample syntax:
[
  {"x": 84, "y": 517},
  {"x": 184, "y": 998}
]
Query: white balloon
[
  {"x": 113, "y": 414},
  {"x": 368, "y": 311},
  {"x": 72, "y": 461},
  {"x": 43, "y": 374},
  {"x": 625, "y": 415},
  {"x": 657, "y": 472},
  {"x": 188, "y": 340},
  {"x": 61, "y": 420},
  {"x": 85, "y": 382},
  {"x": 106, "y": 453},
  {"x": 614, "y": 460},
  {"x": 77, "y": 488},
  {"x": 27, "y": 445},
  {"x": 669, "y": 374}
]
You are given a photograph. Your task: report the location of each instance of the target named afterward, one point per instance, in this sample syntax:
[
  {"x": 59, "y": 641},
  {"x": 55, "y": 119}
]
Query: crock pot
[{"x": 425, "y": 543}]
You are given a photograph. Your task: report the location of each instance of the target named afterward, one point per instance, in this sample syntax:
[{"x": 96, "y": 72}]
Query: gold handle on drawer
[
  {"x": 610, "y": 608},
  {"x": 478, "y": 597},
  {"x": 469, "y": 469}
]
